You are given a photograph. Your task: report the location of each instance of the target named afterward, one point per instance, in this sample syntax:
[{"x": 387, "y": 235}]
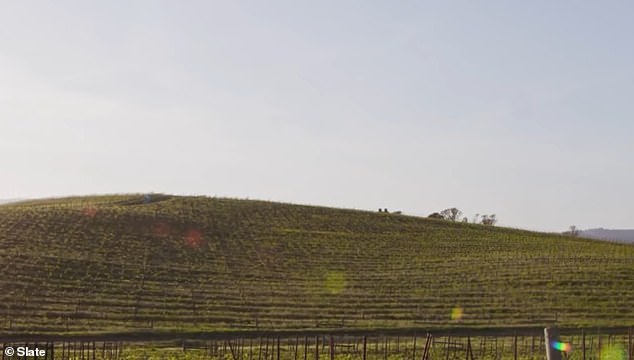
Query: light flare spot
[
  {"x": 89, "y": 210},
  {"x": 161, "y": 229},
  {"x": 335, "y": 281},
  {"x": 457, "y": 313},
  {"x": 561, "y": 346},
  {"x": 613, "y": 352},
  {"x": 193, "y": 238}
]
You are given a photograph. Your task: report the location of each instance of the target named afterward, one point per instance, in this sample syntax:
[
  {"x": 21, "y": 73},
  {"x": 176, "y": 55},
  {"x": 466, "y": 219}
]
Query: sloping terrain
[
  {"x": 132, "y": 263},
  {"x": 621, "y": 235}
]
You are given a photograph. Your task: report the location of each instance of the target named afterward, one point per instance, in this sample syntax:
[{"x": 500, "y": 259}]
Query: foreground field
[
  {"x": 126, "y": 264},
  {"x": 582, "y": 347},
  {"x": 580, "y": 344}
]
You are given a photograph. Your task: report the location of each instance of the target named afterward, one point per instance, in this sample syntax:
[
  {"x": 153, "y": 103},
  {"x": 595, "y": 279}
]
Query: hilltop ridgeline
[{"x": 130, "y": 263}]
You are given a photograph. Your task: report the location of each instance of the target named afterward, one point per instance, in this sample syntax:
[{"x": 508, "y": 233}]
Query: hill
[
  {"x": 625, "y": 236},
  {"x": 7, "y": 201},
  {"x": 167, "y": 263}
]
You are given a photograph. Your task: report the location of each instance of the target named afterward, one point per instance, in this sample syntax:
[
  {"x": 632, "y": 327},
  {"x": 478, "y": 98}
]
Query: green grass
[
  {"x": 597, "y": 347},
  {"x": 184, "y": 264},
  {"x": 613, "y": 347}
]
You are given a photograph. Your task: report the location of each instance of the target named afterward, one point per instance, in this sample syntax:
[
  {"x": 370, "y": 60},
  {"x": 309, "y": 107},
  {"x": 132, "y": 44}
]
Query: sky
[{"x": 523, "y": 109}]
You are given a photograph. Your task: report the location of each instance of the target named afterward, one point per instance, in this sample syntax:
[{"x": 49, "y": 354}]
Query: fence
[{"x": 584, "y": 344}]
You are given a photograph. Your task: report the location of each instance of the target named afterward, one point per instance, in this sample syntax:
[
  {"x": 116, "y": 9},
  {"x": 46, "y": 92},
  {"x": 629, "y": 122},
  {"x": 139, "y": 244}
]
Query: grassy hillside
[{"x": 120, "y": 263}]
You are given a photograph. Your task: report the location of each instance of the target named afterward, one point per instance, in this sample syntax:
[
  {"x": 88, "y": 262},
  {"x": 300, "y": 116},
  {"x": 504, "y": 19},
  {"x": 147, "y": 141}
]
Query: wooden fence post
[
  {"x": 427, "y": 347},
  {"x": 448, "y": 342},
  {"x": 260, "y": 348},
  {"x": 332, "y": 348},
  {"x": 583, "y": 344},
  {"x": 551, "y": 335},
  {"x": 599, "y": 344},
  {"x": 233, "y": 352},
  {"x": 630, "y": 347},
  {"x": 469, "y": 355},
  {"x": 266, "y": 349},
  {"x": 385, "y": 349},
  {"x": 365, "y": 343}
]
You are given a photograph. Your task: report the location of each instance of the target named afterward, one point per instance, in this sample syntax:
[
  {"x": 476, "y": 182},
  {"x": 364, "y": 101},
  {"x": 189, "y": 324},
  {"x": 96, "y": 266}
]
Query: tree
[
  {"x": 574, "y": 232},
  {"x": 435, "y": 216},
  {"x": 488, "y": 219},
  {"x": 451, "y": 214}
]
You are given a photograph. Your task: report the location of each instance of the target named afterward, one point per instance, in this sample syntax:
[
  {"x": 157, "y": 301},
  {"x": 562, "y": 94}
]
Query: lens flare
[
  {"x": 561, "y": 346},
  {"x": 457, "y": 313},
  {"x": 89, "y": 210},
  {"x": 613, "y": 352},
  {"x": 335, "y": 282},
  {"x": 161, "y": 229},
  {"x": 193, "y": 238}
]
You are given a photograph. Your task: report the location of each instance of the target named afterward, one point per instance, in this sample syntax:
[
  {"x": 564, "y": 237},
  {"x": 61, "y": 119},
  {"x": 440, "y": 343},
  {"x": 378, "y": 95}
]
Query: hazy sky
[{"x": 524, "y": 109}]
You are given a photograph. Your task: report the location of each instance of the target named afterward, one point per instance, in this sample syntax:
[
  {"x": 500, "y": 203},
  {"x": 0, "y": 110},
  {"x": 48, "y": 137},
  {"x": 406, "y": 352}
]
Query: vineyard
[
  {"x": 582, "y": 344},
  {"x": 166, "y": 264}
]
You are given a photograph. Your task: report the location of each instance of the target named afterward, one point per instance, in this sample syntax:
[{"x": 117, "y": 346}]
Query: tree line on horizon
[{"x": 455, "y": 215}]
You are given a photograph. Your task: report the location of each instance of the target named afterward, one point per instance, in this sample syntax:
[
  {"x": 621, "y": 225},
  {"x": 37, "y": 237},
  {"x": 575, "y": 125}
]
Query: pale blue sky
[{"x": 519, "y": 108}]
